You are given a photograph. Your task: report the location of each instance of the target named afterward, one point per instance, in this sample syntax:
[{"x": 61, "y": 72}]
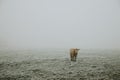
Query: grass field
[{"x": 56, "y": 65}]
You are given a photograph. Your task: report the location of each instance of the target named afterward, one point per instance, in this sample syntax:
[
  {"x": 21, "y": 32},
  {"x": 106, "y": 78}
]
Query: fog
[{"x": 35, "y": 24}]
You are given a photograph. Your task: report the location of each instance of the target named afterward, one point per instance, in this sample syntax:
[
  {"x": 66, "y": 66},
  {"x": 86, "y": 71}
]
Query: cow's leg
[
  {"x": 75, "y": 57},
  {"x": 71, "y": 56}
]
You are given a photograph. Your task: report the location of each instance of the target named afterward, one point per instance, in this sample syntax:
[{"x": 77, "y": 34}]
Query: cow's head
[{"x": 77, "y": 49}]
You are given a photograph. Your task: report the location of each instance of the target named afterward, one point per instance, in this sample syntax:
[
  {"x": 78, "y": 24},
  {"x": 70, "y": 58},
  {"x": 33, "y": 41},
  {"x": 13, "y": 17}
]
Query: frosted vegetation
[{"x": 56, "y": 65}]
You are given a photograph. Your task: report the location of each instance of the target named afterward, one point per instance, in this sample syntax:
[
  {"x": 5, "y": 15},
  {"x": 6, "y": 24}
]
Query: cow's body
[{"x": 73, "y": 53}]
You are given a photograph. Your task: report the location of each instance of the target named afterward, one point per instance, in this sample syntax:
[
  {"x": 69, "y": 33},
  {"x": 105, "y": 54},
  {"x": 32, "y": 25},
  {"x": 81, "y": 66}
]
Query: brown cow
[{"x": 73, "y": 53}]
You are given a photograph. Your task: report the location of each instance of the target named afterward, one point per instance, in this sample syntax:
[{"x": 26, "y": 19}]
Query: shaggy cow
[{"x": 73, "y": 53}]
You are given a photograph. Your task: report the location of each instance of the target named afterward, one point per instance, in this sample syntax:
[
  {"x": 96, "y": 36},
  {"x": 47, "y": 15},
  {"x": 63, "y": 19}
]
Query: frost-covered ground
[{"x": 55, "y": 65}]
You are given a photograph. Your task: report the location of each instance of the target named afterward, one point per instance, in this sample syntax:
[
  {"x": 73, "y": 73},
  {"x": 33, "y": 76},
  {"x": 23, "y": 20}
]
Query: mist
[{"x": 35, "y": 24}]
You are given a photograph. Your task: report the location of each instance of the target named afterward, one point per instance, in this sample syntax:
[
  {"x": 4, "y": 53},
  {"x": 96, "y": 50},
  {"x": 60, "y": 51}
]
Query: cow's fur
[{"x": 73, "y": 53}]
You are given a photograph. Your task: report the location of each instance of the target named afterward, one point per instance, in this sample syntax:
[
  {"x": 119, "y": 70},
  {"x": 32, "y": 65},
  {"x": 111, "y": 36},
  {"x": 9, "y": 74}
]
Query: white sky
[{"x": 60, "y": 24}]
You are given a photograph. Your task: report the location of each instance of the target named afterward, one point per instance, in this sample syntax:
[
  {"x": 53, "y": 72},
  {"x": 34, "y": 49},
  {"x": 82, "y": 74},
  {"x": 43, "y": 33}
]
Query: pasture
[{"x": 56, "y": 65}]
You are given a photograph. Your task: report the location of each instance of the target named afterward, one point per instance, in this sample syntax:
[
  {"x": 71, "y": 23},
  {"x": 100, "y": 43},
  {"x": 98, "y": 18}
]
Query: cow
[{"x": 73, "y": 53}]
